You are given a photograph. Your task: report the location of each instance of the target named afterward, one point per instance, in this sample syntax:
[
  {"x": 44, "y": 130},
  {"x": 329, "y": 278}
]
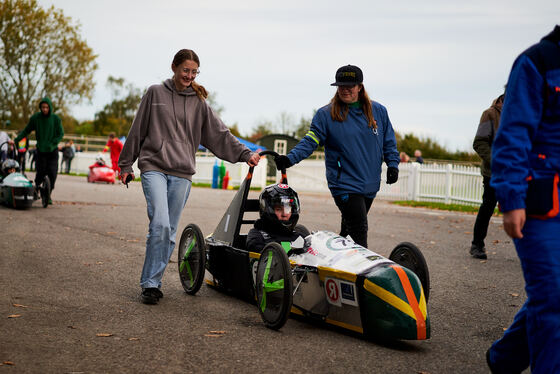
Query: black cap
[{"x": 348, "y": 75}]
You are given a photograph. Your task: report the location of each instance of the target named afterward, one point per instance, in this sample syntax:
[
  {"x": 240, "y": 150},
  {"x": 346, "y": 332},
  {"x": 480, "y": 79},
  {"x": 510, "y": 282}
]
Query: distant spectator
[
  {"x": 22, "y": 147},
  {"x": 4, "y": 138},
  {"x": 68, "y": 152},
  {"x": 418, "y": 156},
  {"x": 78, "y": 148},
  {"x": 32, "y": 156},
  {"x": 116, "y": 146},
  {"x": 487, "y": 129},
  {"x": 404, "y": 157}
]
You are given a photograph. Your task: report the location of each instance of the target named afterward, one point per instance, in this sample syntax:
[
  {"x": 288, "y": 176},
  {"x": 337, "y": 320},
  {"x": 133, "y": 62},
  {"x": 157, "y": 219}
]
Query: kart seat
[{"x": 251, "y": 205}]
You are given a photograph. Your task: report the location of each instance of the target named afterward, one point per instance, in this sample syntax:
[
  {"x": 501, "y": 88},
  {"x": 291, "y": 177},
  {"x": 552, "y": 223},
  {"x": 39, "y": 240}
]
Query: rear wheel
[
  {"x": 45, "y": 190},
  {"x": 408, "y": 255},
  {"x": 274, "y": 286},
  {"x": 191, "y": 259}
]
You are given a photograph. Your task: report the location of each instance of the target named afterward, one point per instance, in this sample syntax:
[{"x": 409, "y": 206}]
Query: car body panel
[{"x": 16, "y": 191}]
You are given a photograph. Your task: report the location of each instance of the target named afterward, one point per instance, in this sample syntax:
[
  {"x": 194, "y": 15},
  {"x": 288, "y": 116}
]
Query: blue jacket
[
  {"x": 353, "y": 151},
  {"x": 528, "y": 140}
]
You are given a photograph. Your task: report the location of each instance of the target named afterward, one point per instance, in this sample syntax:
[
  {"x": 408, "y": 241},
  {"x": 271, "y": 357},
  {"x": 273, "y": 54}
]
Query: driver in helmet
[
  {"x": 99, "y": 160},
  {"x": 9, "y": 166},
  {"x": 279, "y": 213}
]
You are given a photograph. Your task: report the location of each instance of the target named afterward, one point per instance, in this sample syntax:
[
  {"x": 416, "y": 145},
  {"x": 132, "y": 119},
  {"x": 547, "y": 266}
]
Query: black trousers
[
  {"x": 354, "y": 210},
  {"x": 485, "y": 212},
  {"x": 47, "y": 164},
  {"x": 68, "y": 162}
]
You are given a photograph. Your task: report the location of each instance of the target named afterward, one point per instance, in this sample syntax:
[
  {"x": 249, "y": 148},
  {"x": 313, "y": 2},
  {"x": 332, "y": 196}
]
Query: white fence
[{"x": 447, "y": 183}]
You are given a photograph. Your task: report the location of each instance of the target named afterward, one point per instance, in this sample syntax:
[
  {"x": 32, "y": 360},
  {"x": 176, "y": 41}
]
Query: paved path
[{"x": 71, "y": 271}]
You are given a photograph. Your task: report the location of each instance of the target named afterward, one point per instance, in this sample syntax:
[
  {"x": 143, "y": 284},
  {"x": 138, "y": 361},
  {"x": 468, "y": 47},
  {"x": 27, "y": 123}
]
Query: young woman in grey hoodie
[{"x": 172, "y": 120}]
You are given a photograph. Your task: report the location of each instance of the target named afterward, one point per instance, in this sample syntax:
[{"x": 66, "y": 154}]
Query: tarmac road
[{"x": 71, "y": 272}]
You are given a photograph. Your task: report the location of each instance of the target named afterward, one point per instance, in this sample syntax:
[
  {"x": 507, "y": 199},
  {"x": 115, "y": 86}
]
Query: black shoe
[
  {"x": 151, "y": 295},
  {"x": 478, "y": 252}
]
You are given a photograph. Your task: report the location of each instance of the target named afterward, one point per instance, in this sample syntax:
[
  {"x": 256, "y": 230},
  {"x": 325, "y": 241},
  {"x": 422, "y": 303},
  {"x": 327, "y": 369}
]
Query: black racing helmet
[
  {"x": 283, "y": 195},
  {"x": 9, "y": 164}
]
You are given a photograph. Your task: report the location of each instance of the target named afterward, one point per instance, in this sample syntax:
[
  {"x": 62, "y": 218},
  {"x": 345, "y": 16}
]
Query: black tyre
[
  {"x": 274, "y": 286},
  {"x": 408, "y": 255},
  {"x": 45, "y": 190},
  {"x": 191, "y": 259},
  {"x": 302, "y": 230}
]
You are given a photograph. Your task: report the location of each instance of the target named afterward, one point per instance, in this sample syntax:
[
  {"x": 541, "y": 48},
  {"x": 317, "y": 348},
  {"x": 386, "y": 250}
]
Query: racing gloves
[
  {"x": 392, "y": 175},
  {"x": 282, "y": 162}
]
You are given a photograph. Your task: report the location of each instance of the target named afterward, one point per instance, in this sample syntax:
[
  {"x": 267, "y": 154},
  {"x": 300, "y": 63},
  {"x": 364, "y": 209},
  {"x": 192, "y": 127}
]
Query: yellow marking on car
[
  {"x": 389, "y": 298},
  {"x": 296, "y": 311},
  {"x": 334, "y": 273},
  {"x": 345, "y": 325}
]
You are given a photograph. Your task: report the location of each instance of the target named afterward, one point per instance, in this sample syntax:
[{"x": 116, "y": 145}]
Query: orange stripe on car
[{"x": 420, "y": 319}]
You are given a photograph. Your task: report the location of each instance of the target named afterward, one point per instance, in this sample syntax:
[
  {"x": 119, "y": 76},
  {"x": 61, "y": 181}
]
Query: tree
[
  {"x": 234, "y": 129},
  {"x": 41, "y": 54},
  {"x": 303, "y": 127},
  {"x": 117, "y": 116},
  {"x": 262, "y": 129}
]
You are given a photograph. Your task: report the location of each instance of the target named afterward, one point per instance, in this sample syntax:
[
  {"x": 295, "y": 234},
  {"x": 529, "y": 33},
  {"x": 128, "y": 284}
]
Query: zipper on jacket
[{"x": 339, "y": 168}]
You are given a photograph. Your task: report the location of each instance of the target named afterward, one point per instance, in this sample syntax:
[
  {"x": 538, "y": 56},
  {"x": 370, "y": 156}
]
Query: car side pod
[
  {"x": 394, "y": 304},
  {"x": 16, "y": 191}
]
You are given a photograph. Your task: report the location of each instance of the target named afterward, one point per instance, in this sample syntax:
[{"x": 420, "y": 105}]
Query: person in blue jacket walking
[
  {"x": 525, "y": 167},
  {"x": 358, "y": 136}
]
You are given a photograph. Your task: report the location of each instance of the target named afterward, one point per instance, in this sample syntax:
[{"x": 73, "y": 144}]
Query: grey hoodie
[{"x": 168, "y": 127}]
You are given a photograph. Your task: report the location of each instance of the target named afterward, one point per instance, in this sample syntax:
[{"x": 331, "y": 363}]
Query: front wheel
[
  {"x": 408, "y": 255},
  {"x": 45, "y": 190},
  {"x": 274, "y": 286},
  {"x": 191, "y": 259}
]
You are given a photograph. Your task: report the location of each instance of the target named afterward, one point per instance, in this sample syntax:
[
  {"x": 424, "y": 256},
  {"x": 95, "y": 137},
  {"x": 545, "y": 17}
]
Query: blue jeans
[
  {"x": 166, "y": 196},
  {"x": 534, "y": 336}
]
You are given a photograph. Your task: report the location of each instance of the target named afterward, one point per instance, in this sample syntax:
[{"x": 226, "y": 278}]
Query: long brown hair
[
  {"x": 188, "y": 54},
  {"x": 339, "y": 109}
]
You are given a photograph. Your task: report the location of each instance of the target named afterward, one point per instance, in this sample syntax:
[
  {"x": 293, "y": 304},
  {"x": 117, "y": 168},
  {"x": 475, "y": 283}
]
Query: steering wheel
[{"x": 284, "y": 178}]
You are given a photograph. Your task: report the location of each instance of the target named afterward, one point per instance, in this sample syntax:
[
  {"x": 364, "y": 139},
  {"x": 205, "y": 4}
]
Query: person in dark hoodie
[
  {"x": 171, "y": 122},
  {"x": 279, "y": 213},
  {"x": 482, "y": 144},
  {"x": 49, "y": 132}
]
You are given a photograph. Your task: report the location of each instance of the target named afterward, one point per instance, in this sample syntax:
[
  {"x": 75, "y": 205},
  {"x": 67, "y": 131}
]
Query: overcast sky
[{"x": 435, "y": 65}]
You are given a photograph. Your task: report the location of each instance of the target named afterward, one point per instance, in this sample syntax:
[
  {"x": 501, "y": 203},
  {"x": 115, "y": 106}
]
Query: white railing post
[
  {"x": 448, "y": 182},
  {"x": 414, "y": 181}
]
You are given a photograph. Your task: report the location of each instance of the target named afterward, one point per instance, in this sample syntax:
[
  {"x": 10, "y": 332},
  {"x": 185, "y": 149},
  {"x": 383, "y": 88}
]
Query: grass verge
[{"x": 441, "y": 206}]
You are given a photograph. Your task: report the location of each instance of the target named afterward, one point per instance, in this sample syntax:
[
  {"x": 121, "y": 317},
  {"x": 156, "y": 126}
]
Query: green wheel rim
[
  {"x": 191, "y": 259},
  {"x": 274, "y": 286}
]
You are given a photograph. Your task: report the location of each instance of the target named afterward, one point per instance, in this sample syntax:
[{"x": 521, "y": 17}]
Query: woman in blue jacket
[{"x": 358, "y": 136}]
